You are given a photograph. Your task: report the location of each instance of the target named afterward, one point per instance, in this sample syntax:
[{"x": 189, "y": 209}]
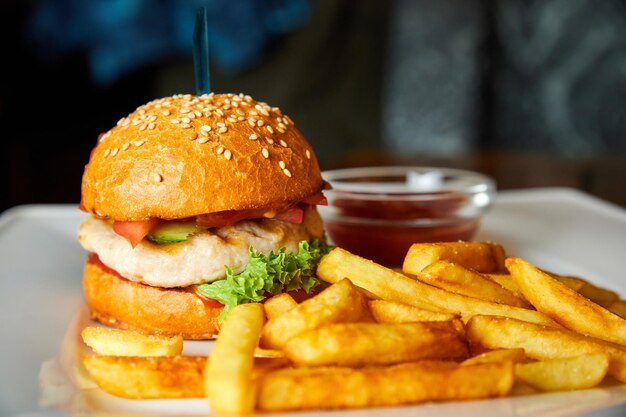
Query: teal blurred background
[{"x": 531, "y": 92}]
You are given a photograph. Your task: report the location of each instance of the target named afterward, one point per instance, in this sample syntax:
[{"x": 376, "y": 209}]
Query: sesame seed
[
  {"x": 185, "y": 125},
  {"x": 119, "y": 122},
  {"x": 197, "y": 113},
  {"x": 265, "y": 153},
  {"x": 281, "y": 164},
  {"x": 288, "y": 120},
  {"x": 219, "y": 111},
  {"x": 253, "y": 136},
  {"x": 157, "y": 177},
  {"x": 98, "y": 213},
  {"x": 152, "y": 118},
  {"x": 260, "y": 123},
  {"x": 220, "y": 124},
  {"x": 192, "y": 115},
  {"x": 139, "y": 142},
  {"x": 175, "y": 121},
  {"x": 184, "y": 110},
  {"x": 283, "y": 143},
  {"x": 287, "y": 172},
  {"x": 185, "y": 119},
  {"x": 165, "y": 113},
  {"x": 142, "y": 127},
  {"x": 308, "y": 154},
  {"x": 269, "y": 129},
  {"x": 203, "y": 139},
  {"x": 151, "y": 125},
  {"x": 269, "y": 140},
  {"x": 136, "y": 122},
  {"x": 252, "y": 112},
  {"x": 240, "y": 112},
  {"x": 226, "y": 106},
  {"x": 281, "y": 125},
  {"x": 125, "y": 146},
  {"x": 241, "y": 118},
  {"x": 231, "y": 119},
  {"x": 280, "y": 130},
  {"x": 227, "y": 154},
  {"x": 142, "y": 111},
  {"x": 251, "y": 122},
  {"x": 204, "y": 133},
  {"x": 114, "y": 151},
  {"x": 107, "y": 152},
  {"x": 205, "y": 128},
  {"x": 222, "y": 130},
  {"x": 234, "y": 116},
  {"x": 220, "y": 150}
]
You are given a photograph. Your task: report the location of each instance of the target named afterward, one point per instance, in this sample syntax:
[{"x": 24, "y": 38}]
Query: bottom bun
[{"x": 117, "y": 302}]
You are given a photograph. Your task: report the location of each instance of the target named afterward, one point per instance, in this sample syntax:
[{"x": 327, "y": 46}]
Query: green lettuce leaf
[{"x": 268, "y": 275}]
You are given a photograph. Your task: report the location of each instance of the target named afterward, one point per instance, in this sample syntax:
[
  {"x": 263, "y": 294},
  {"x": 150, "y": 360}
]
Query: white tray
[{"x": 42, "y": 309}]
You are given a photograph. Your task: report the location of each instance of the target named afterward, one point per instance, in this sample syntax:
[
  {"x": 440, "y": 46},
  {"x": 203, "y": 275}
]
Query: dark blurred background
[{"x": 530, "y": 92}]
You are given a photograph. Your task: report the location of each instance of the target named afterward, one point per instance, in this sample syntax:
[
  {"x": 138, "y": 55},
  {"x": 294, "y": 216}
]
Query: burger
[{"x": 197, "y": 204}]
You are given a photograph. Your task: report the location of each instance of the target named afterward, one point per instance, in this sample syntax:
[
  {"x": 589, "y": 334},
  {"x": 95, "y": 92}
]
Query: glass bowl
[{"x": 379, "y": 212}]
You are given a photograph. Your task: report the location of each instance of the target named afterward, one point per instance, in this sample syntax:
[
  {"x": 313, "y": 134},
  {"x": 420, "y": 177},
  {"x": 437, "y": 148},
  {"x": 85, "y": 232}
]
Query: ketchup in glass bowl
[{"x": 379, "y": 212}]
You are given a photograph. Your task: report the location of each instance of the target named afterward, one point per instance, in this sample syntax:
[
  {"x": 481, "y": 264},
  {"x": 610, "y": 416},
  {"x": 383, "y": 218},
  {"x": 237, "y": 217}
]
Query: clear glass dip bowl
[{"x": 378, "y": 212}]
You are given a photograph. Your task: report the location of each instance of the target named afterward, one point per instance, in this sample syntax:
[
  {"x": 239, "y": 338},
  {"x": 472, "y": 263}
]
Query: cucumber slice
[{"x": 173, "y": 232}]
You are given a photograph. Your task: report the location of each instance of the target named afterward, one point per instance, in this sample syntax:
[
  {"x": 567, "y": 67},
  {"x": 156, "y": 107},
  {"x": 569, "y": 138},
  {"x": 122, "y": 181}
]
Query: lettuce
[{"x": 267, "y": 275}]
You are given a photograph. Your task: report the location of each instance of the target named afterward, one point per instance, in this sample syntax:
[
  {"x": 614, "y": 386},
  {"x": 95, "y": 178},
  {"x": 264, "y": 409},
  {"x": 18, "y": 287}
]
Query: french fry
[
  {"x": 514, "y": 355},
  {"x": 148, "y": 377},
  {"x": 541, "y": 342},
  {"x": 394, "y": 312},
  {"x": 279, "y": 304},
  {"x": 598, "y": 295},
  {"x": 389, "y": 285},
  {"x": 460, "y": 280},
  {"x": 113, "y": 342},
  {"x": 574, "y": 283},
  {"x": 228, "y": 377},
  {"x": 358, "y": 344},
  {"x": 408, "y": 383},
  {"x": 578, "y": 372},
  {"x": 619, "y": 308},
  {"x": 506, "y": 281},
  {"x": 341, "y": 302},
  {"x": 565, "y": 305},
  {"x": 480, "y": 256}
]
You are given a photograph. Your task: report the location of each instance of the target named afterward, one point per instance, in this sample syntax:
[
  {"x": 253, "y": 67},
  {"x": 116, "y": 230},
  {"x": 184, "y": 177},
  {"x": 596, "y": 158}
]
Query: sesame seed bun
[
  {"x": 128, "y": 305},
  {"x": 186, "y": 155}
]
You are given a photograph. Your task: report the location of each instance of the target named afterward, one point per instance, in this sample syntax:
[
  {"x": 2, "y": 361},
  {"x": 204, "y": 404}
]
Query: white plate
[{"x": 40, "y": 295}]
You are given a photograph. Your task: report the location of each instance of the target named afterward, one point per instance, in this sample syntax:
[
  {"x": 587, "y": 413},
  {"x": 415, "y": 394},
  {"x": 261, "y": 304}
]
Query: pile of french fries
[{"x": 460, "y": 321}]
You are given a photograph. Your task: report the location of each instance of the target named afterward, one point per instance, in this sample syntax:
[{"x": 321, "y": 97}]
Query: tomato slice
[
  {"x": 318, "y": 199},
  {"x": 134, "y": 232}
]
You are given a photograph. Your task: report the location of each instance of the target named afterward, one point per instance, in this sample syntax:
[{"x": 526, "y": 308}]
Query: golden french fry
[
  {"x": 268, "y": 353},
  {"x": 578, "y": 372},
  {"x": 341, "y": 302},
  {"x": 408, "y": 383},
  {"x": 574, "y": 283},
  {"x": 618, "y": 307},
  {"x": 389, "y": 285},
  {"x": 279, "y": 304},
  {"x": 358, "y": 344},
  {"x": 114, "y": 342},
  {"x": 506, "y": 281},
  {"x": 148, "y": 377},
  {"x": 498, "y": 355},
  {"x": 541, "y": 342},
  {"x": 228, "y": 378},
  {"x": 565, "y": 305},
  {"x": 479, "y": 256},
  {"x": 393, "y": 312},
  {"x": 460, "y": 280},
  {"x": 598, "y": 295}
]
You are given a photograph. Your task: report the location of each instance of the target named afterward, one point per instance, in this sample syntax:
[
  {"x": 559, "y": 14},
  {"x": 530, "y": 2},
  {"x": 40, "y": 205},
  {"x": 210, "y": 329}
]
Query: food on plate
[
  {"x": 565, "y": 305},
  {"x": 150, "y": 377},
  {"x": 197, "y": 204},
  {"x": 514, "y": 355},
  {"x": 371, "y": 386},
  {"x": 480, "y": 256},
  {"x": 460, "y": 280},
  {"x": 385, "y": 311},
  {"x": 376, "y": 337},
  {"x": 564, "y": 374},
  {"x": 390, "y": 285},
  {"x": 113, "y": 342},
  {"x": 279, "y": 304},
  {"x": 359, "y": 344},
  {"x": 541, "y": 342},
  {"x": 228, "y": 378},
  {"x": 338, "y": 303}
]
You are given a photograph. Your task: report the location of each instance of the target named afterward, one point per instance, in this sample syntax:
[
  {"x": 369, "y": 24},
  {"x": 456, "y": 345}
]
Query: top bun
[{"x": 187, "y": 155}]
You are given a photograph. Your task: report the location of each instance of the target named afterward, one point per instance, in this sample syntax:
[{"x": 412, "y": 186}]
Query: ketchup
[{"x": 383, "y": 229}]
